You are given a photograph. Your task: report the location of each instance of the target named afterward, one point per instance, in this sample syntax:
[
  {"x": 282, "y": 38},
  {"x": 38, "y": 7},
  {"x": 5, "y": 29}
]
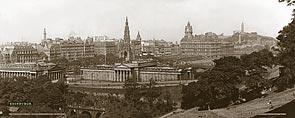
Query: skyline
[{"x": 165, "y": 19}]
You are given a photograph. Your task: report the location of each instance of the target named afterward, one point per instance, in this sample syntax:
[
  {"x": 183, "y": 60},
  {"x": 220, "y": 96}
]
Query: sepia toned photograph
[{"x": 147, "y": 59}]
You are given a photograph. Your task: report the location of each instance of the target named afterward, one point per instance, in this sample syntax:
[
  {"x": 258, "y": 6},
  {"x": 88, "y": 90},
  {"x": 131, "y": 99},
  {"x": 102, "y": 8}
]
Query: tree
[
  {"x": 220, "y": 86},
  {"x": 132, "y": 90},
  {"x": 289, "y": 2},
  {"x": 46, "y": 96},
  {"x": 61, "y": 61},
  {"x": 211, "y": 91},
  {"x": 286, "y": 55},
  {"x": 140, "y": 101},
  {"x": 262, "y": 58},
  {"x": 231, "y": 67}
]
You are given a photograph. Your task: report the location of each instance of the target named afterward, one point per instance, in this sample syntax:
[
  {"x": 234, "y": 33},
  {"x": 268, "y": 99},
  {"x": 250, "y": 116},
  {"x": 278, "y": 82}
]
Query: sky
[{"x": 24, "y": 20}]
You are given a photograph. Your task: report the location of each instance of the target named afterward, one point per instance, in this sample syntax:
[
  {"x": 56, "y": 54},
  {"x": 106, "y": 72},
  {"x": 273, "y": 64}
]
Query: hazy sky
[{"x": 24, "y": 20}]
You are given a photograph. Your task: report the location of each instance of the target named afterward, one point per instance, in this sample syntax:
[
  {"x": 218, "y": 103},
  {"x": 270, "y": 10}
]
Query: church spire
[
  {"x": 126, "y": 22},
  {"x": 138, "y": 37}
]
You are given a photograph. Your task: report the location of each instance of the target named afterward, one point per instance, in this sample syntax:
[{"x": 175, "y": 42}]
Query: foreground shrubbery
[
  {"x": 139, "y": 102},
  {"x": 230, "y": 80},
  {"x": 46, "y": 96},
  {"x": 218, "y": 87}
]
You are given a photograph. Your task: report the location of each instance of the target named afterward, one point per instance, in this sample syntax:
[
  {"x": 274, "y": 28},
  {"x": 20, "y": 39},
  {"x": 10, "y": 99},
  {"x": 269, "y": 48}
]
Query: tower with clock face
[{"x": 188, "y": 30}]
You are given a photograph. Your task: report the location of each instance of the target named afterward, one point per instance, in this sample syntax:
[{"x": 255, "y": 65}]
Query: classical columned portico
[
  {"x": 11, "y": 74},
  {"x": 121, "y": 75}
]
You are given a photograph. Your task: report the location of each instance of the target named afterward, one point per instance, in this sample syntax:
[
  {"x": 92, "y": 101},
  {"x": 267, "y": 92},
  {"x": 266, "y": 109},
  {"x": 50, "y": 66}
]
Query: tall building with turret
[
  {"x": 206, "y": 45},
  {"x": 188, "y": 30},
  {"x": 136, "y": 46},
  {"x": 44, "y": 40}
]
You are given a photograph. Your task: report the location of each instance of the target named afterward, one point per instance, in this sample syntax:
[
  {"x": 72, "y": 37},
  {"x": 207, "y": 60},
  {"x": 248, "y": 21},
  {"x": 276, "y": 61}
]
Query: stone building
[
  {"x": 207, "y": 45},
  {"x": 136, "y": 47},
  {"x": 175, "y": 49},
  {"x": 32, "y": 71},
  {"x": 156, "y": 47},
  {"x": 227, "y": 49},
  {"x": 72, "y": 50},
  {"x": 143, "y": 72},
  {"x": 148, "y": 47},
  {"x": 104, "y": 47},
  {"x": 6, "y": 53},
  {"x": 160, "y": 74},
  {"x": 19, "y": 53},
  {"x": 102, "y": 72}
]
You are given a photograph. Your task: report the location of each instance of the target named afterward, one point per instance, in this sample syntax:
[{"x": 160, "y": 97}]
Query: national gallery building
[{"x": 143, "y": 72}]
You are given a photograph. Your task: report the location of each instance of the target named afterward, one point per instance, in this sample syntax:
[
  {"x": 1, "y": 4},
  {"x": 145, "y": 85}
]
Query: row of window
[{"x": 26, "y": 52}]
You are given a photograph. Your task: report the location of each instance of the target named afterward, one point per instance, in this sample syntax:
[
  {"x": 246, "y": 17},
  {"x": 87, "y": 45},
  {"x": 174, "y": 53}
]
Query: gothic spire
[
  {"x": 126, "y": 22},
  {"x": 127, "y": 34},
  {"x": 138, "y": 37}
]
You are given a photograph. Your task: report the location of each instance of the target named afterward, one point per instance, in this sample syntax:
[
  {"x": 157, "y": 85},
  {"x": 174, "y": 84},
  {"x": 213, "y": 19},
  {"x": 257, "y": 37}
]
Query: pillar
[
  {"x": 128, "y": 75},
  {"x": 115, "y": 78},
  {"x": 59, "y": 77},
  {"x": 124, "y": 76},
  {"x": 120, "y": 75}
]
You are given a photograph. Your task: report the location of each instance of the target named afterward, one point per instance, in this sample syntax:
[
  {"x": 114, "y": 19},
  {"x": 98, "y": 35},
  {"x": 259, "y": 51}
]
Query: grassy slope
[
  {"x": 246, "y": 110},
  {"x": 257, "y": 106}
]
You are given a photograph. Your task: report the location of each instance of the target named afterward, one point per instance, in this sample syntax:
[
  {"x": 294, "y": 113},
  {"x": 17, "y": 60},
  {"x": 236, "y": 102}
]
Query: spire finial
[
  {"x": 138, "y": 37},
  {"x": 126, "y": 22},
  {"x": 188, "y": 23}
]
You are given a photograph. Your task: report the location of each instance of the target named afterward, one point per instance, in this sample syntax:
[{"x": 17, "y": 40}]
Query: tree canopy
[
  {"x": 289, "y": 2},
  {"x": 140, "y": 101},
  {"x": 45, "y": 96},
  {"x": 222, "y": 85},
  {"x": 286, "y": 55}
]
